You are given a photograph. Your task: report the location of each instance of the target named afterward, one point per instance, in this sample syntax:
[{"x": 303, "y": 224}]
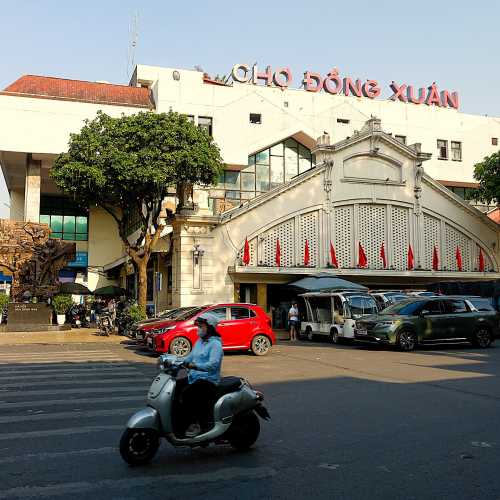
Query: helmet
[{"x": 208, "y": 319}]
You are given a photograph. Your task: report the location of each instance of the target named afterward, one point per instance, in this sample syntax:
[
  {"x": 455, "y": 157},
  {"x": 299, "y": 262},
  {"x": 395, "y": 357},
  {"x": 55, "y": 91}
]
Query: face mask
[{"x": 201, "y": 333}]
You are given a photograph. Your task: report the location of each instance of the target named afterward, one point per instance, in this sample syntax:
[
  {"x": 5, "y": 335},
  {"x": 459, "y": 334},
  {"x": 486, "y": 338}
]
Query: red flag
[
  {"x": 362, "y": 260},
  {"x": 278, "y": 253},
  {"x": 435, "y": 259},
  {"x": 383, "y": 256},
  {"x": 306, "y": 254},
  {"x": 411, "y": 258},
  {"x": 481, "y": 260},
  {"x": 246, "y": 253},
  {"x": 458, "y": 256},
  {"x": 333, "y": 256}
]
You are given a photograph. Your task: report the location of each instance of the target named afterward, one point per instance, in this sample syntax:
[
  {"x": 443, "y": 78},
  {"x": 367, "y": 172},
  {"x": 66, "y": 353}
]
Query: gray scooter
[{"x": 235, "y": 416}]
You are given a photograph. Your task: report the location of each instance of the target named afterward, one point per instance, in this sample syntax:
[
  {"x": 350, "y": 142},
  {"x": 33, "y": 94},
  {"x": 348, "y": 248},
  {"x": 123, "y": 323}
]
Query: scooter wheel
[
  {"x": 139, "y": 446},
  {"x": 244, "y": 431}
]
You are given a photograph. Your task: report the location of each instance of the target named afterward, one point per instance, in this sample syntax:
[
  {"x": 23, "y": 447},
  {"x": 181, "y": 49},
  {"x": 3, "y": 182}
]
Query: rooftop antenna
[{"x": 133, "y": 35}]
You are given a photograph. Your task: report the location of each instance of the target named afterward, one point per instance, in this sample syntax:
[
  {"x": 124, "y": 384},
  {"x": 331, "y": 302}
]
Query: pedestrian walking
[{"x": 293, "y": 321}]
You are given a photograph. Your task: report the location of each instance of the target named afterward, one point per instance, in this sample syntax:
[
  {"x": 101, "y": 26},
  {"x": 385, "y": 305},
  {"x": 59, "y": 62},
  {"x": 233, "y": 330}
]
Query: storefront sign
[
  {"x": 334, "y": 84},
  {"x": 80, "y": 261}
]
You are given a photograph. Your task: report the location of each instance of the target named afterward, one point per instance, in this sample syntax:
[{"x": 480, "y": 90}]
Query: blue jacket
[{"x": 207, "y": 357}]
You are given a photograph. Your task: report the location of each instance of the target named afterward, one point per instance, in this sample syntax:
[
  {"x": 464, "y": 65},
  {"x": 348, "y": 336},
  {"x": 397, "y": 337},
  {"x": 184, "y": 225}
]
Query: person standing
[{"x": 293, "y": 321}]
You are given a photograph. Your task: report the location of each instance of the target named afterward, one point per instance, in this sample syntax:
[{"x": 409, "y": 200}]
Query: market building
[{"x": 373, "y": 187}]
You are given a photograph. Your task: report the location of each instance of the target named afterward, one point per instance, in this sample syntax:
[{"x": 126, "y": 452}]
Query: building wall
[
  {"x": 288, "y": 112},
  {"x": 17, "y": 205},
  {"x": 104, "y": 246}
]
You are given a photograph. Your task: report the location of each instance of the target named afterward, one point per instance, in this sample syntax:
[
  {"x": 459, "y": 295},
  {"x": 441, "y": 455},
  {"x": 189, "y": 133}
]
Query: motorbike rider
[{"x": 204, "y": 364}]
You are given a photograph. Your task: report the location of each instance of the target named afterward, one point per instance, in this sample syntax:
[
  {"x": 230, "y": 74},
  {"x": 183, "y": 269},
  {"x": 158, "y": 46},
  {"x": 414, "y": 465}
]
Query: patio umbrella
[
  {"x": 110, "y": 291},
  {"x": 74, "y": 289},
  {"x": 326, "y": 282}
]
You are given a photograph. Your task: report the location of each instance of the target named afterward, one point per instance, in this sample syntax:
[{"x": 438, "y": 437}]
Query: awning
[{"x": 326, "y": 282}]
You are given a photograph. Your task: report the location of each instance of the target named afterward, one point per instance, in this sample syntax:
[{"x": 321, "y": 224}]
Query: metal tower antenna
[{"x": 133, "y": 32}]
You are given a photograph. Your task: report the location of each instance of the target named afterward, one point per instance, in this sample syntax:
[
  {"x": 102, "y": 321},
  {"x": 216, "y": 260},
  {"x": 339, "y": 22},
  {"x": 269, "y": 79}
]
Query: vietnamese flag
[
  {"x": 481, "y": 260},
  {"x": 362, "y": 259},
  {"x": 306, "y": 254},
  {"x": 278, "y": 253},
  {"x": 383, "y": 256},
  {"x": 435, "y": 259},
  {"x": 411, "y": 259},
  {"x": 333, "y": 256},
  {"x": 246, "y": 253},
  {"x": 458, "y": 256}
]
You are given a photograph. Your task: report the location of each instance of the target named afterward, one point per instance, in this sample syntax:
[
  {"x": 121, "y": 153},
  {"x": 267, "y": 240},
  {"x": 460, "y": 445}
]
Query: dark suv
[{"x": 430, "y": 321}]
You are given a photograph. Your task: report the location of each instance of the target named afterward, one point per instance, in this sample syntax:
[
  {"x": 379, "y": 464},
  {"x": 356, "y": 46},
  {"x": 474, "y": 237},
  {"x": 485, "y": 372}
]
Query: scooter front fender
[{"x": 147, "y": 418}]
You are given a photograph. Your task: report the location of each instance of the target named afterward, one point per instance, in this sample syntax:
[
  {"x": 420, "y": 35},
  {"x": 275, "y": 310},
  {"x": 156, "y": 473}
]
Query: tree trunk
[{"x": 142, "y": 286}]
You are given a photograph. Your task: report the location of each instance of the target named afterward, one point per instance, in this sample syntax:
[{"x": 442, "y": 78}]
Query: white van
[{"x": 334, "y": 314}]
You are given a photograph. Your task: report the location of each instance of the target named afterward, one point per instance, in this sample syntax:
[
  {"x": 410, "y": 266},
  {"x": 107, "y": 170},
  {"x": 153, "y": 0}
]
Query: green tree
[
  {"x": 487, "y": 173},
  {"x": 126, "y": 166}
]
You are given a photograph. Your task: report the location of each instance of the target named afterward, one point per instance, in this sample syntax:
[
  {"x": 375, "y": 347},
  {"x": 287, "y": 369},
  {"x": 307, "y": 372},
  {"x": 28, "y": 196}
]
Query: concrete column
[
  {"x": 32, "y": 190},
  {"x": 262, "y": 295}
]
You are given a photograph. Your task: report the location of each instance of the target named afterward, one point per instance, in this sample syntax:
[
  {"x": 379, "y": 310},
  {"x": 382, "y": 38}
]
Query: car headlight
[
  {"x": 157, "y": 331},
  {"x": 385, "y": 324}
]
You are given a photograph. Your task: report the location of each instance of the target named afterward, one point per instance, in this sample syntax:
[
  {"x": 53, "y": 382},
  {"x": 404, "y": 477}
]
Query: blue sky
[{"x": 453, "y": 43}]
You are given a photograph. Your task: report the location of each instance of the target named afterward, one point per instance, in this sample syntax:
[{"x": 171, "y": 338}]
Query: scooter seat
[{"x": 227, "y": 385}]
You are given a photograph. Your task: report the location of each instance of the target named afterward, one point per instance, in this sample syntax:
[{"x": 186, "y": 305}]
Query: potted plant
[
  {"x": 4, "y": 301},
  {"x": 62, "y": 304}
]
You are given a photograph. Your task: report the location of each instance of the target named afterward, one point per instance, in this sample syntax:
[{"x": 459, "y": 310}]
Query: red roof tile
[{"x": 76, "y": 90}]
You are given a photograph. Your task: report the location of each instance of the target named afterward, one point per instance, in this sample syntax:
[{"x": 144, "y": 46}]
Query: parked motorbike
[
  {"x": 78, "y": 316},
  {"x": 105, "y": 324},
  {"x": 235, "y": 416}
]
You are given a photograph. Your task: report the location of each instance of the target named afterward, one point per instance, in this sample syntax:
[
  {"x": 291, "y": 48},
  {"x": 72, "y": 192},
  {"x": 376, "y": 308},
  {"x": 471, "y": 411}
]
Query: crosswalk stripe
[
  {"x": 226, "y": 474},
  {"x": 73, "y": 401},
  {"x": 68, "y": 431},
  {"x": 67, "y": 368},
  {"x": 99, "y": 381},
  {"x": 52, "y": 360},
  {"x": 62, "y": 373},
  {"x": 11, "y": 419},
  {"x": 66, "y": 357},
  {"x": 57, "y": 353},
  {"x": 73, "y": 390},
  {"x": 58, "y": 454}
]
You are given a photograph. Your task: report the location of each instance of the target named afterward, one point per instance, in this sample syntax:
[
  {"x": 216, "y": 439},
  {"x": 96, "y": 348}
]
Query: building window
[
  {"x": 400, "y": 138},
  {"x": 456, "y": 151},
  {"x": 266, "y": 170},
  {"x": 345, "y": 121},
  {"x": 205, "y": 123},
  {"x": 66, "y": 220},
  {"x": 466, "y": 193},
  {"x": 190, "y": 118},
  {"x": 256, "y": 118},
  {"x": 494, "y": 141},
  {"x": 442, "y": 146}
]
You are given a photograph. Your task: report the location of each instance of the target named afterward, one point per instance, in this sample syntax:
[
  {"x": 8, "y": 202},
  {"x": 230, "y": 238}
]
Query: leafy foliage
[
  {"x": 487, "y": 173},
  {"x": 62, "y": 303},
  {"x": 4, "y": 300},
  {"x": 136, "y": 313}
]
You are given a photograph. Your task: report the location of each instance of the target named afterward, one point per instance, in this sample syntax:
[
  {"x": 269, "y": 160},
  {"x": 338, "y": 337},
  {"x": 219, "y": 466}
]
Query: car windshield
[
  {"x": 481, "y": 304},
  {"x": 186, "y": 313},
  {"x": 403, "y": 308},
  {"x": 362, "y": 306}
]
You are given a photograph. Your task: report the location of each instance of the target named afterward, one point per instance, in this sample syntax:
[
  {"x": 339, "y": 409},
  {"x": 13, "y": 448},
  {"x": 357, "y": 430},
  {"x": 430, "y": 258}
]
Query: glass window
[
  {"x": 291, "y": 163},
  {"x": 240, "y": 313},
  {"x": 456, "y": 151},
  {"x": 263, "y": 157},
  {"x": 442, "y": 147},
  {"x": 67, "y": 220},
  {"x": 405, "y": 308},
  {"x": 305, "y": 159},
  {"x": 233, "y": 195},
  {"x": 277, "y": 149},
  {"x": 482, "y": 304},
  {"x": 248, "y": 195},
  {"x": 190, "y": 118},
  {"x": 69, "y": 224},
  {"x": 356, "y": 306},
  {"x": 45, "y": 219},
  {"x": 251, "y": 160},
  {"x": 219, "y": 312},
  {"x": 455, "y": 306},
  {"x": 277, "y": 177},
  {"x": 247, "y": 181},
  {"x": 81, "y": 225},
  {"x": 205, "y": 123},
  {"x": 232, "y": 179},
  {"x": 56, "y": 223},
  {"x": 433, "y": 307},
  {"x": 262, "y": 177},
  {"x": 256, "y": 118},
  {"x": 494, "y": 141}
]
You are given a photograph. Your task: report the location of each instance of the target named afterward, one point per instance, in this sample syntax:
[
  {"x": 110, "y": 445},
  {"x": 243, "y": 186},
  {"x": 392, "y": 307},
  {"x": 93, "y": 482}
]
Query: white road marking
[
  {"x": 58, "y": 454},
  {"x": 74, "y": 390},
  {"x": 99, "y": 381},
  {"x": 65, "y": 374},
  {"x": 70, "y": 369},
  {"x": 75, "y": 367},
  {"x": 12, "y": 419},
  {"x": 54, "y": 361},
  {"x": 69, "y": 431},
  {"x": 67, "y": 489},
  {"x": 68, "y": 401}
]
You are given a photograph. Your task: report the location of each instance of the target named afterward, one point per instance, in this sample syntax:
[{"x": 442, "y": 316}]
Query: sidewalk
[{"x": 76, "y": 336}]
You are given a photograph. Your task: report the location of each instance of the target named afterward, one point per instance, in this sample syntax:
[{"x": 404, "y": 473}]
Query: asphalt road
[{"x": 350, "y": 423}]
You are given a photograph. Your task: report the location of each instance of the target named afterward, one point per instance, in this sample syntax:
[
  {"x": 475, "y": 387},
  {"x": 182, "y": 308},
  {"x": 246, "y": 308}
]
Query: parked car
[
  {"x": 140, "y": 333},
  {"x": 421, "y": 293},
  {"x": 431, "y": 320},
  {"x": 334, "y": 314},
  {"x": 241, "y": 326},
  {"x": 387, "y": 298}
]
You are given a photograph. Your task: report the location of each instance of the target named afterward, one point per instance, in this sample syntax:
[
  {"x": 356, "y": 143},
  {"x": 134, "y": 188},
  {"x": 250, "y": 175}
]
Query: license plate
[{"x": 362, "y": 332}]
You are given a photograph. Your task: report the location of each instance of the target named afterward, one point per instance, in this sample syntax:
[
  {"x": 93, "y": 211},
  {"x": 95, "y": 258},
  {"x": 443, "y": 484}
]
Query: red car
[{"x": 241, "y": 326}]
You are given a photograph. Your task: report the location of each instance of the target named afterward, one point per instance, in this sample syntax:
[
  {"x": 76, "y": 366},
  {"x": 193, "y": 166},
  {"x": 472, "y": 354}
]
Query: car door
[
  {"x": 459, "y": 320},
  {"x": 433, "y": 320},
  {"x": 239, "y": 326},
  {"x": 222, "y": 313}
]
